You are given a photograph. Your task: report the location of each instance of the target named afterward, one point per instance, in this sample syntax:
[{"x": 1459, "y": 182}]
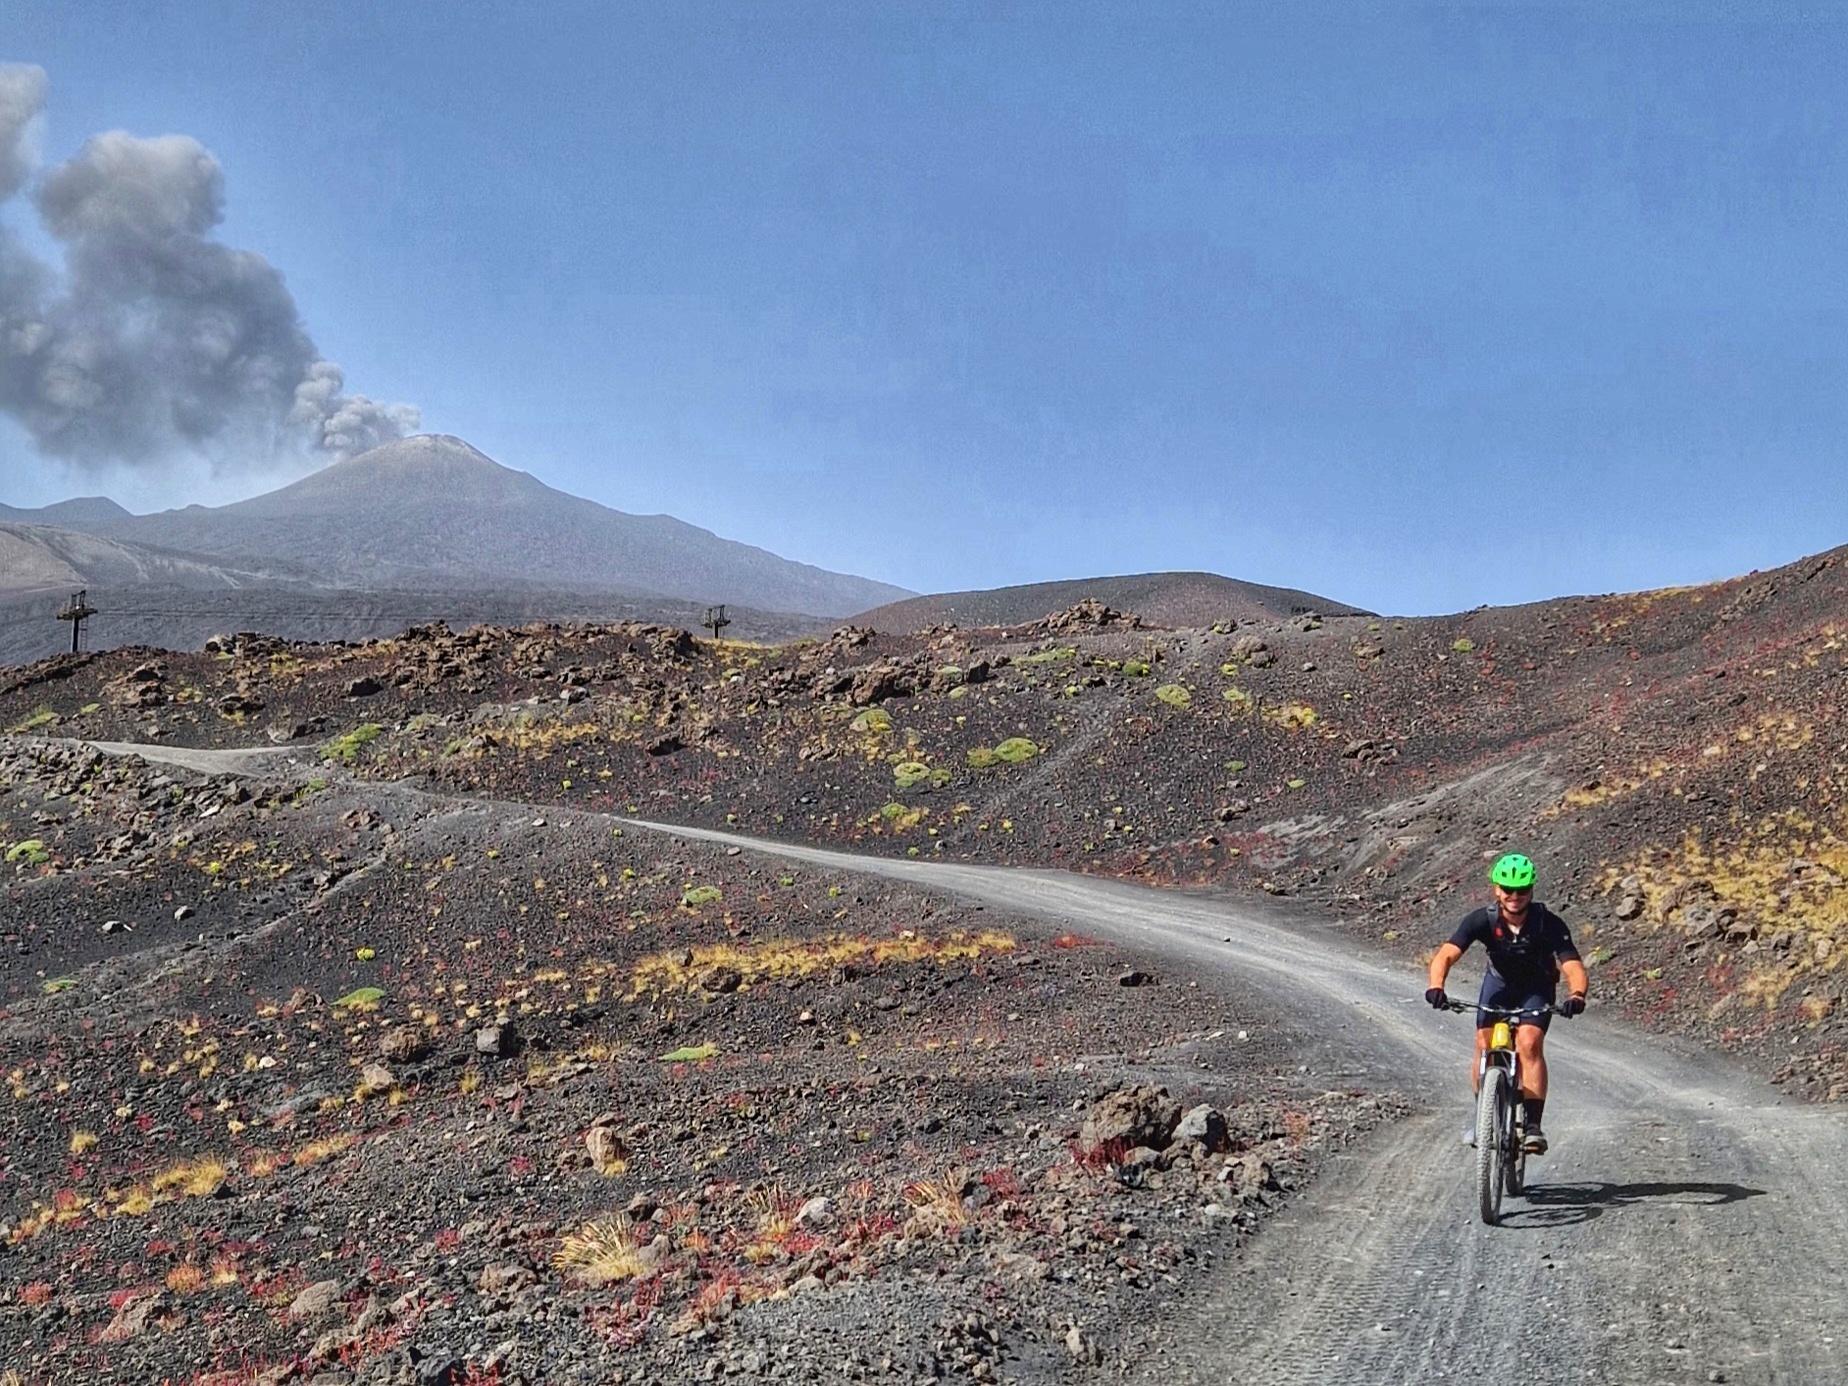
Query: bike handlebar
[{"x": 1461, "y": 1006}]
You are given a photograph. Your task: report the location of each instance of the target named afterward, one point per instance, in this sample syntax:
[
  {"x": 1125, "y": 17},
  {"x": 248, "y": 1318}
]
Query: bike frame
[{"x": 1505, "y": 1167}]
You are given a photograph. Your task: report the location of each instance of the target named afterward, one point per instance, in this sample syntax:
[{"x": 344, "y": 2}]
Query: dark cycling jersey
[{"x": 1527, "y": 959}]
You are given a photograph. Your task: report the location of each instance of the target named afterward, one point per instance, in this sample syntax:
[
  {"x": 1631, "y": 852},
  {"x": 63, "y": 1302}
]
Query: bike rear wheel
[
  {"x": 1491, "y": 1128},
  {"x": 1516, "y": 1180}
]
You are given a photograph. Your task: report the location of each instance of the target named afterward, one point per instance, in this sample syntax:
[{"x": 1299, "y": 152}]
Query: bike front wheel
[{"x": 1491, "y": 1130}]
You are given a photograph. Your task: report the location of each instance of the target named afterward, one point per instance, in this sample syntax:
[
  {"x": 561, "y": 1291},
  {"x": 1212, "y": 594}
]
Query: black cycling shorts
[{"x": 1498, "y": 991}]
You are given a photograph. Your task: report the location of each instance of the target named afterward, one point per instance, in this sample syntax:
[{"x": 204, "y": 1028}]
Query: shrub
[
  {"x": 695, "y": 896},
  {"x": 31, "y": 852},
  {"x": 1056, "y": 655},
  {"x": 361, "y": 999},
  {"x": 1463, "y": 646},
  {"x": 346, "y": 748},
  {"x": 910, "y": 772},
  {"x": 1137, "y": 668},
  {"x": 874, "y": 721},
  {"x": 1016, "y": 749},
  {"x": 1174, "y": 695},
  {"x": 43, "y": 717},
  {"x": 982, "y": 757}
]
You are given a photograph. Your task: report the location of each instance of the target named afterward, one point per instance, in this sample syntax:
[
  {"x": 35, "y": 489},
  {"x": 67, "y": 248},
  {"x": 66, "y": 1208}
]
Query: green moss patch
[
  {"x": 1016, "y": 749},
  {"x": 695, "y": 896},
  {"x": 31, "y": 852},
  {"x": 1057, "y": 655},
  {"x": 361, "y": 999},
  {"x": 1174, "y": 695},
  {"x": 346, "y": 748},
  {"x": 873, "y": 722}
]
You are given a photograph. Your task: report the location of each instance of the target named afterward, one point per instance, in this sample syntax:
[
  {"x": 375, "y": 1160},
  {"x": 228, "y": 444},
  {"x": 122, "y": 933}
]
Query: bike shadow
[{"x": 1562, "y": 1205}]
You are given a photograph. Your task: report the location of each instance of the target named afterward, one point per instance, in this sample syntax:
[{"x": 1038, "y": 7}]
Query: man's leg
[
  {"x": 1530, "y": 1044},
  {"x": 1482, "y": 1047}
]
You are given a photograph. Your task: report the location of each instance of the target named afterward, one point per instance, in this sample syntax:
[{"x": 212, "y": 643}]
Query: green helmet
[{"x": 1513, "y": 872}]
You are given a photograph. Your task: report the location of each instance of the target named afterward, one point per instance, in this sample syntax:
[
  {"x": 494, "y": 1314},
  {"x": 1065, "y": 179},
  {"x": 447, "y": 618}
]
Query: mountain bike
[{"x": 1501, "y": 1121}]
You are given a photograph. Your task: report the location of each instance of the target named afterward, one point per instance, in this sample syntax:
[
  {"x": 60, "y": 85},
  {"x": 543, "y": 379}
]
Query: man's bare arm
[
  {"x": 1578, "y": 981},
  {"x": 1444, "y": 959}
]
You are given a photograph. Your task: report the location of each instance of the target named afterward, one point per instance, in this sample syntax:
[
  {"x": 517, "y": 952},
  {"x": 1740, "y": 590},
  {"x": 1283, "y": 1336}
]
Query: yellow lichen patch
[
  {"x": 528, "y": 733},
  {"x": 1292, "y": 716},
  {"x": 82, "y": 1141},
  {"x": 1604, "y": 789},
  {"x": 1785, "y": 871},
  {"x": 1627, "y": 608},
  {"x": 774, "y": 959}
]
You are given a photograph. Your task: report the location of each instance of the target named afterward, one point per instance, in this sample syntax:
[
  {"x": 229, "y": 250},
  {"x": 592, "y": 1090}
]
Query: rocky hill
[
  {"x": 410, "y": 1063},
  {"x": 1174, "y": 600},
  {"x": 1671, "y": 758},
  {"x": 431, "y": 513}
]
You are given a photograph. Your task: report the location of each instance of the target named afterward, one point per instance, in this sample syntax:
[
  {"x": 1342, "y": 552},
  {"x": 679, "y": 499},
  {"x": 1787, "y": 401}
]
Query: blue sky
[{"x": 1417, "y": 308}]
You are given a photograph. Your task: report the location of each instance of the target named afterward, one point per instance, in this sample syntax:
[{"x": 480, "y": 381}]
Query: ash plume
[{"x": 153, "y": 339}]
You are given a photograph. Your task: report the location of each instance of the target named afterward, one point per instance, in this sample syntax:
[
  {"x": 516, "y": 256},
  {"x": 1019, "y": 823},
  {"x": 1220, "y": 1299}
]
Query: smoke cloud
[{"x": 153, "y": 339}]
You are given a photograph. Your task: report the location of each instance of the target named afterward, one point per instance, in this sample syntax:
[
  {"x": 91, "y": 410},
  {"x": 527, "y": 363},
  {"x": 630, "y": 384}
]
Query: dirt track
[{"x": 1689, "y": 1225}]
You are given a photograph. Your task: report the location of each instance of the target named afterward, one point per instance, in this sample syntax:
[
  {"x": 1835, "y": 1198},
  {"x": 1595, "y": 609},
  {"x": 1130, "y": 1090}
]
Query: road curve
[{"x": 1690, "y": 1224}]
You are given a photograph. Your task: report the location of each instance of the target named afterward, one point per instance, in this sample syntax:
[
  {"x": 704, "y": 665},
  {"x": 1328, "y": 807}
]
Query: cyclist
[{"x": 1529, "y": 948}]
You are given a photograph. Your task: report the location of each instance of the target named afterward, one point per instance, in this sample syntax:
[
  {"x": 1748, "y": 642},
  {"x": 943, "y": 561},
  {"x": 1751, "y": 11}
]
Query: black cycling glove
[
  {"x": 1573, "y": 1005},
  {"x": 1436, "y": 998}
]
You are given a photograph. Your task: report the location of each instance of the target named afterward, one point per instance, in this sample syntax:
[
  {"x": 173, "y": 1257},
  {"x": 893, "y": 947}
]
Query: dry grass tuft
[
  {"x": 937, "y": 1201},
  {"x": 200, "y": 1178},
  {"x": 316, "y": 1152},
  {"x": 601, "y": 1252},
  {"x": 667, "y": 973},
  {"x": 186, "y": 1279}
]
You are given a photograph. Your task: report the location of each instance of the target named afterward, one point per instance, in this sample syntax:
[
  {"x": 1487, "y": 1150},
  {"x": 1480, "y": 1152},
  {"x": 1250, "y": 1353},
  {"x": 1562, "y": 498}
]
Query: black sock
[{"x": 1533, "y": 1106}]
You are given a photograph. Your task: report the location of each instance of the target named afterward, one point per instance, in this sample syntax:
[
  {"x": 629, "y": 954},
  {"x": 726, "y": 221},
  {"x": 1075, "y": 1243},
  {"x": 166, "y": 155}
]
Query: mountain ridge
[{"x": 433, "y": 511}]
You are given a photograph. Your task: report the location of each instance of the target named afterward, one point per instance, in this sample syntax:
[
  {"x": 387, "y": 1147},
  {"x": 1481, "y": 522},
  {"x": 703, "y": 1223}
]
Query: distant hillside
[
  {"x": 80, "y": 512},
  {"x": 37, "y": 557},
  {"x": 1174, "y": 600},
  {"x": 184, "y": 618},
  {"x": 433, "y": 513}
]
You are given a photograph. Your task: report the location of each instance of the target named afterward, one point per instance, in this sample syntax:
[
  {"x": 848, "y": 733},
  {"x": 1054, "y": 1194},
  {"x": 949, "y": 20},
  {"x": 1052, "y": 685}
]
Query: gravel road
[{"x": 1690, "y": 1224}]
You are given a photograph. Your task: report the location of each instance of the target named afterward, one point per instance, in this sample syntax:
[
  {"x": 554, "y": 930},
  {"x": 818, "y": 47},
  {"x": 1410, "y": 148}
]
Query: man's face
[{"x": 1513, "y": 902}]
